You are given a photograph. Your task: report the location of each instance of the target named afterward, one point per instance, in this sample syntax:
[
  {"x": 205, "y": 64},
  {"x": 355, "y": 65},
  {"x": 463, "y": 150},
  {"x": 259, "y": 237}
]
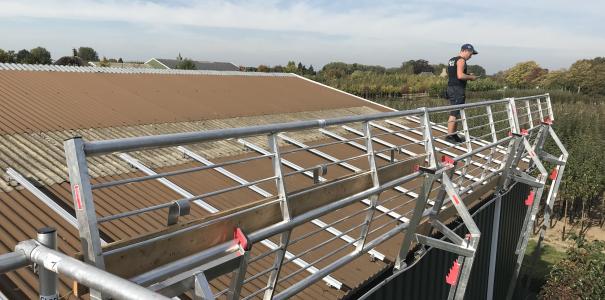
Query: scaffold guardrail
[{"x": 406, "y": 153}]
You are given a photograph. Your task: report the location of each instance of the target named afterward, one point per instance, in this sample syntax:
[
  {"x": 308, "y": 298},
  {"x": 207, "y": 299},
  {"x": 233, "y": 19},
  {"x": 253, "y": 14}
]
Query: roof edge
[{"x": 341, "y": 91}]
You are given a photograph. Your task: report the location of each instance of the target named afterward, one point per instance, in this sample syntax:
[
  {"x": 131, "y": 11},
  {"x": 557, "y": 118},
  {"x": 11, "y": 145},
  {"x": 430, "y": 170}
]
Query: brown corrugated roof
[
  {"x": 39, "y": 109},
  {"x": 40, "y": 155},
  {"x": 54, "y": 101}
]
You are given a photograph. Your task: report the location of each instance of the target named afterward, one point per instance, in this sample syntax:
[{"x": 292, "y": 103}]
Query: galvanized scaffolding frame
[{"x": 193, "y": 272}]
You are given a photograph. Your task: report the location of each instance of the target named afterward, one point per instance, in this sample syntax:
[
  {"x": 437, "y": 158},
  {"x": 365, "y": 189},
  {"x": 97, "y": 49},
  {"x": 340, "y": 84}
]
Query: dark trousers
[{"x": 456, "y": 95}]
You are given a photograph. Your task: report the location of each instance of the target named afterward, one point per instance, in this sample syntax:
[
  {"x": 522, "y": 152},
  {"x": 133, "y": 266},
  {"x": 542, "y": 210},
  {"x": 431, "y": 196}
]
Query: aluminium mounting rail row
[
  {"x": 266, "y": 194},
  {"x": 269, "y": 244}
]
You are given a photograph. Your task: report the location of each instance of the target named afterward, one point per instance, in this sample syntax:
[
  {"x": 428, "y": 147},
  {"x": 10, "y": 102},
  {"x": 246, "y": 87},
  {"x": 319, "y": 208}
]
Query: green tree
[
  {"x": 416, "y": 66},
  {"x": 40, "y": 55},
  {"x": 311, "y": 70},
  {"x": 290, "y": 67},
  {"x": 7, "y": 56},
  {"x": 263, "y": 68},
  {"x": 88, "y": 54},
  {"x": 476, "y": 69},
  {"x": 524, "y": 75},
  {"x": 556, "y": 80},
  {"x": 23, "y": 57},
  {"x": 588, "y": 76},
  {"x": 186, "y": 64}
]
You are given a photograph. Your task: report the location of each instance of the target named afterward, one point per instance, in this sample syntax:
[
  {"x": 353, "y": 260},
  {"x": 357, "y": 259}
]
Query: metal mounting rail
[
  {"x": 398, "y": 171},
  {"x": 134, "y": 162}
]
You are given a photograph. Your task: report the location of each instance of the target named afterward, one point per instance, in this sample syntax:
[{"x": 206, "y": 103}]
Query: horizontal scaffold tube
[
  {"x": 180, "y": 139},
  {"x": 88, "y": 275},
  {"x": 12, "y": 261}
]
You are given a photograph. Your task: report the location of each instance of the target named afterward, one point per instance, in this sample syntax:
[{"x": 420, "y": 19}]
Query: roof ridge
[{"x": 113, "y": 70}]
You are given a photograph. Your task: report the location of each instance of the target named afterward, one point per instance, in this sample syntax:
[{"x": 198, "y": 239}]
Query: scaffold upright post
[
  {"x": 513, "y": 118},
  {"x": 493, "y": 135},
  {"x": 551, "y": 115},
  {"x": 468, "y": 145},
  {"x": 48, "y": 281},
  {"x": 365, "y": 228},
  {"x": 540, "y": 112},
  {"x": 284, "y": 239},
  {"x": 427, "y": 136},
  {"x": 530, "y": 119},
  {"x": 84, "y": 205},
  {"x": 423, "y": 196}
]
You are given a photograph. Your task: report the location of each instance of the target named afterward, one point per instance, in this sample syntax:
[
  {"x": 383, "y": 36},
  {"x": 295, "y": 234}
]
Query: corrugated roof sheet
[
  {"x": 40, "y": 155},
  {"x": 40, "y": 109},
  {"x": 45, "y": 101}
]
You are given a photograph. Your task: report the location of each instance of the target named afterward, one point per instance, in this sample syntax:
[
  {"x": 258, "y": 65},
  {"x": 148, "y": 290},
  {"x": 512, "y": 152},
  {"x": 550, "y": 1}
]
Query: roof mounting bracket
[{"x": 178, "y": 209}]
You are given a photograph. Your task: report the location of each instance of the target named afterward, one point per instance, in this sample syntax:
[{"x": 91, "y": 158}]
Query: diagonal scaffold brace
[
  {"x": 465, "y": 247},
  {"x": 537, "y": 185}
]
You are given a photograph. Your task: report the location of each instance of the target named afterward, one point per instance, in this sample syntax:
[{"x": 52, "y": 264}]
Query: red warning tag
[
  {"x": 530, "y": 198},
  {"x": 452, "y": 275},
  {"x": 456, "y": 200},
  {"x": 554, "y": 173},
  {"x": 77, "y": 196},
  {"x": 241, "y": 239},
  {"x": 524, "y": 131},
  {"x": 447, "y": 160}
]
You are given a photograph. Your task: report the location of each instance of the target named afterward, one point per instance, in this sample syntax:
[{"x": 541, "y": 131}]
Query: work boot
[
  {"x": 459, "y": 138},
  {"x": 452, "y": 138}
]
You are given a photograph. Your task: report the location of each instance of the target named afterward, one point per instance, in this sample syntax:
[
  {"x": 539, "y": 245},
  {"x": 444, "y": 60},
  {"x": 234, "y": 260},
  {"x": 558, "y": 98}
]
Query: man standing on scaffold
[{"x": 456, "y": 86}]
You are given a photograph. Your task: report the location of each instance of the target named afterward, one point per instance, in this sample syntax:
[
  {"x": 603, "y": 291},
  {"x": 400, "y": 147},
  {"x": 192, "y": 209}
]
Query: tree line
[
  {"x": 41, "y": 56},
  {"x": 586, "y": 76}
]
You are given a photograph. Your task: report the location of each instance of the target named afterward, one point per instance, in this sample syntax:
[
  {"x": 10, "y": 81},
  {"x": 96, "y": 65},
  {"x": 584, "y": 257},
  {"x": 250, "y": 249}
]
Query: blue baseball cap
[{"x": 469, "y": 47}]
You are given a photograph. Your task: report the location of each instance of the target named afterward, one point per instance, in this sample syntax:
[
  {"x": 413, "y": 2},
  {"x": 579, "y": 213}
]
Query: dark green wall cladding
[{"x": 426, "y": 279}]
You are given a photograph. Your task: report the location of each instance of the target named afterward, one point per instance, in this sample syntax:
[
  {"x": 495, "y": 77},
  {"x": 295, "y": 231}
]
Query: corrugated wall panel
[{"x": 426, "y": 279}]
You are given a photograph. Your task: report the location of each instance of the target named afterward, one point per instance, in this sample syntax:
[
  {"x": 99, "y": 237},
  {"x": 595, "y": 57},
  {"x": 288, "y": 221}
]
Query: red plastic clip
[
  {"x": 452, "y": 276},
  {"x": 524, "y": 131},
  {"x": 554, "y": 173},
  {"x": 548, "y": 121},
  {"x": 510, "y": 133},
  {"x": 416, "y": 168},
  {"x": 240, "y": 237},
  {"x": 447, "y": 160},
  {"x": 530, "y": 198}
]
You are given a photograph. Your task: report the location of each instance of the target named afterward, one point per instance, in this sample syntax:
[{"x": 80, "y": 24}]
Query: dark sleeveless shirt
[{"x": 452, "y": 73}]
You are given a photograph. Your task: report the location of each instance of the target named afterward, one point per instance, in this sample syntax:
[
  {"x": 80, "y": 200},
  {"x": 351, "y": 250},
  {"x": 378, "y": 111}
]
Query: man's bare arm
[{"x": 460, "y": 71}]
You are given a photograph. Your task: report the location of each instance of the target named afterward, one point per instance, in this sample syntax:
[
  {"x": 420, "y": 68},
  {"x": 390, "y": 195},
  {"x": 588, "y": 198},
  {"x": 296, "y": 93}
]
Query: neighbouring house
[
  {"x": 163, "y": 63},
  {"x": 125, "y": 65},
  {"x": 443, "y": 73}
]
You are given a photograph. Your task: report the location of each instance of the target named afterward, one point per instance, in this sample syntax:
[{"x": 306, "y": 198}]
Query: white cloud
[{"x": 385, "y": 27}]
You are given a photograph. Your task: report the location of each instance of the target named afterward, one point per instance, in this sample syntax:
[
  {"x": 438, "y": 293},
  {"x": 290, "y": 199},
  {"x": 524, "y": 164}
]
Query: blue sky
[{"x": 554, "y": 33}]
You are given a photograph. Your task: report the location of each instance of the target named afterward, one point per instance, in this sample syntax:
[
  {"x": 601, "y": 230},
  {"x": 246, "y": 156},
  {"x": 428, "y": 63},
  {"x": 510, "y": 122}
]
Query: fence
[{"x": 394, "y": 174}]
